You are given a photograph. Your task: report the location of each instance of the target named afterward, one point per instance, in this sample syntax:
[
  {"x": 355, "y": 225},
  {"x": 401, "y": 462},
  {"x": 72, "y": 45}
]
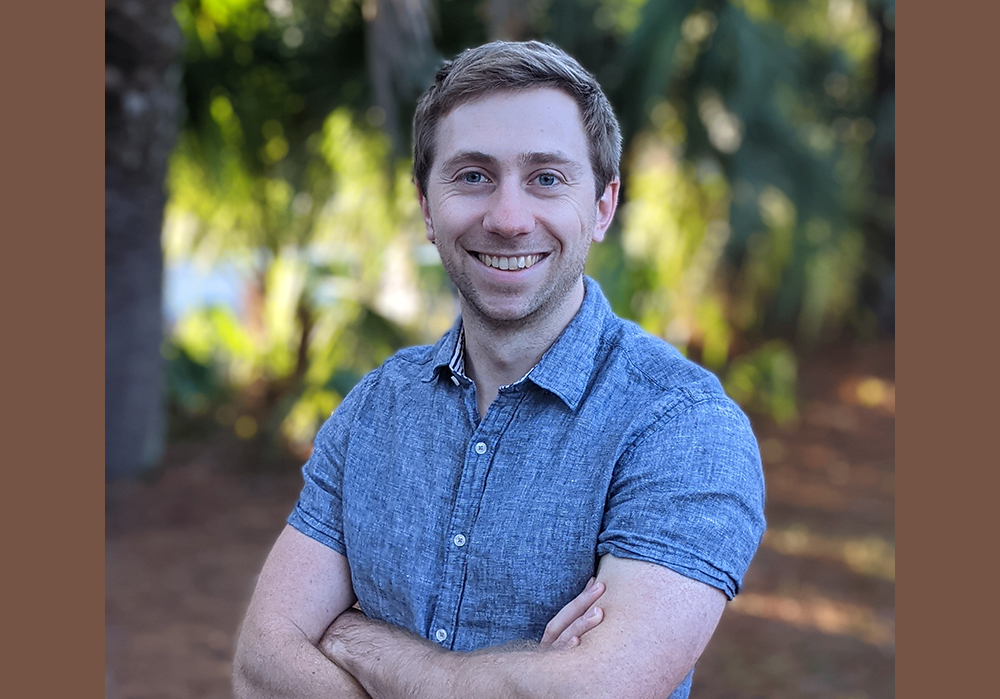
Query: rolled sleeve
[{"x": 688, "y": 494}]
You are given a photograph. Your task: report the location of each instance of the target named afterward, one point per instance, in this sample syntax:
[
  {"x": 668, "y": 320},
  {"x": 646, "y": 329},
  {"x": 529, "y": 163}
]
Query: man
[{"x": 464, "y": 493}]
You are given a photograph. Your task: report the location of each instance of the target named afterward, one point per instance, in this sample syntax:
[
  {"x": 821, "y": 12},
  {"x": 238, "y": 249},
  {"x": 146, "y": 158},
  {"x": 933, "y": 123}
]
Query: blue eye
[
  {"x": 547, "y": 180},
  {"x": 473, "y": 177}
]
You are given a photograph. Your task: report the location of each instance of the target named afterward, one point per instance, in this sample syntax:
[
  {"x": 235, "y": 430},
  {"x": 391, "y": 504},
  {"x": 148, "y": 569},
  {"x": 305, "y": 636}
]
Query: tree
[
  {"x": 747, "y": 130},
  {"x": 141, "y": 109}
]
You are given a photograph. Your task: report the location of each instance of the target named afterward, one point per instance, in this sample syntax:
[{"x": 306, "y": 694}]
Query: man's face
[{"x": 510, "y": 205}]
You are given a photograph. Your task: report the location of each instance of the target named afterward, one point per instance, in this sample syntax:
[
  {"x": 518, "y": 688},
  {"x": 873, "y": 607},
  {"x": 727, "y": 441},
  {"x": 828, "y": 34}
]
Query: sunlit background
[
  {"x": 295, "y": 251},
  {"x": 756, "y": 234}
]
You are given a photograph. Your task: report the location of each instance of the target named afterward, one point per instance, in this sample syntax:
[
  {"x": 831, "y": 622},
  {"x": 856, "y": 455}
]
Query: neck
[{"x": 497, "y": 354}]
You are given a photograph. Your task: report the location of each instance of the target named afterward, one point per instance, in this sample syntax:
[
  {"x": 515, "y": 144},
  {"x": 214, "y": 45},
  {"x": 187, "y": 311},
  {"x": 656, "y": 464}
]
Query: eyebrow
[
  {"x": 549, "y": 158},
  {"x": 527, "y": 158},
  {"x": 468, "y": 157}
]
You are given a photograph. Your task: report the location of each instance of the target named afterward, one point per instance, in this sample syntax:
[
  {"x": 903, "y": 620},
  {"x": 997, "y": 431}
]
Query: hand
[
  {"x": 575, "y": 619},
  {"x": 333, "y": 639}
]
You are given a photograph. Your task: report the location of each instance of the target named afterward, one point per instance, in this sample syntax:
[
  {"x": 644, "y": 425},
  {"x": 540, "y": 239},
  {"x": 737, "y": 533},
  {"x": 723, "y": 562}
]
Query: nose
[{"x": 509, "y": 211}]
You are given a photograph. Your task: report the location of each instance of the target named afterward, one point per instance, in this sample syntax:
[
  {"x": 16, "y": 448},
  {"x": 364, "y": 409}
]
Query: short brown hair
[{"x": 503, "y": 65}]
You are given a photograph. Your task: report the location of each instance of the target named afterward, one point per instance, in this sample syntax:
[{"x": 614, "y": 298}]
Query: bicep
[
  {"x": 656, "y": 625},
  {"x": 689, "y": 495},
  {"x": 303, "y": 582}
]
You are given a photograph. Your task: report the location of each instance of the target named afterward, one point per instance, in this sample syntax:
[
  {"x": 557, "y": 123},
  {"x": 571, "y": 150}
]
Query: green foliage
[
  {"x": 764, "y": 381},
  {"x": 316, "y": 306},
  {"x": 739, "y": 238},
  {"x": 280, "y": 169},
  {"x": 193, "y": 385}
]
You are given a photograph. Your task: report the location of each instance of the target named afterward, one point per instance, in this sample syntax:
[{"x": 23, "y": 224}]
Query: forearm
[
  {"x": 657, "y": 625},
  {"x": 303, "y": 587},
  {"x": 391, "y": 663},
  {"x": 277, "y": 660}
]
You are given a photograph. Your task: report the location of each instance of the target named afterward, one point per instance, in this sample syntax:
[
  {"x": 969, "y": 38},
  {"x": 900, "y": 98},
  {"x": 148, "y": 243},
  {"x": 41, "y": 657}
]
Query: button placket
[{"x": 476, "y": 466}]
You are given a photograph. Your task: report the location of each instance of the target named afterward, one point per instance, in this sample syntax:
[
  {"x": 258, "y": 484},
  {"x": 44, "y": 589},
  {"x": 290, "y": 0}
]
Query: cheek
[
  {"x": 577, "y": 223},
  {"x": 454, "y": 217},
  {"x": 596, "y": 236}
]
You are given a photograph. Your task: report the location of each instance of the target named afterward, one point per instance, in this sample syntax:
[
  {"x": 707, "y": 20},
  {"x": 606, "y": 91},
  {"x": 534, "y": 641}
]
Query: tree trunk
[
  {"x": 881, "y": 228},
  {"x": 141, "y": 107},
  {"x": 400, "y": 57}
]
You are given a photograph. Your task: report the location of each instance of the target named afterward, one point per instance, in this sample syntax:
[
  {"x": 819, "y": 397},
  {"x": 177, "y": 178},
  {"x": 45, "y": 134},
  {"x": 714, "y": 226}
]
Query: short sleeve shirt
[{"x": 475, "y": 532}]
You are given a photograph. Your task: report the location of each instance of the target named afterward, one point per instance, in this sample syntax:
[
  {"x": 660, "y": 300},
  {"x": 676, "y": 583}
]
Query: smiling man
[{"x": 464, "y": 494}]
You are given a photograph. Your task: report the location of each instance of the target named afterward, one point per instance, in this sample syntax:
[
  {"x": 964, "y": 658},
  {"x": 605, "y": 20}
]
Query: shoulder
[
  {"x": 409, "y": 363},
  {"x": 408, "y": 367},
  {"x": 654, "y": 368},
  {"x": 665, "y": 402}
]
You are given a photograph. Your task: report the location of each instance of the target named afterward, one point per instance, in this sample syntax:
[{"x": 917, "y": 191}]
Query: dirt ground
[{"x": 815, "y": 617}]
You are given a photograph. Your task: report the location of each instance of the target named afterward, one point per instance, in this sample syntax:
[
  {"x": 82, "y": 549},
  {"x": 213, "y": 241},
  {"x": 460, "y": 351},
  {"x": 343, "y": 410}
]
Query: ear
[
  {"x": 426, "y": 210},
  {"x": 606, "y": 207}
]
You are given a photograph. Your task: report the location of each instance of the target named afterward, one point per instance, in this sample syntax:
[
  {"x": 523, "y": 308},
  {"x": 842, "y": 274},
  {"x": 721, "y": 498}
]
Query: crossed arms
[{"x": 300, "y": 639}]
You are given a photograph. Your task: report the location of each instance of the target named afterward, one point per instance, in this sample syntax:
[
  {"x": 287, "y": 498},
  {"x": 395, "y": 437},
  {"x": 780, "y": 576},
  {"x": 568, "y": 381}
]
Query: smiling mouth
[{"x": 509, "y": 263}]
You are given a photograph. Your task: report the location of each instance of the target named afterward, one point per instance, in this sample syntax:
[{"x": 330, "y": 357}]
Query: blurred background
[{"x": 264, "y": 249}]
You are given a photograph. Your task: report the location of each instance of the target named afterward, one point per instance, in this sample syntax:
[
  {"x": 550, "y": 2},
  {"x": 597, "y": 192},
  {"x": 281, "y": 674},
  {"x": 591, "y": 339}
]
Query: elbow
[
  {"x": 248, "y": 681},
  {"x": 241, "y": 686},
  {"x": 241, "y": 676},
  {"x": 246, "y": 673}
]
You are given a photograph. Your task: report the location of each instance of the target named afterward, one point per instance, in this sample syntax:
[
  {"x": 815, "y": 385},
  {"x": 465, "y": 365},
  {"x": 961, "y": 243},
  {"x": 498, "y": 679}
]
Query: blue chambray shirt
[{"x": 474, "y": 533}]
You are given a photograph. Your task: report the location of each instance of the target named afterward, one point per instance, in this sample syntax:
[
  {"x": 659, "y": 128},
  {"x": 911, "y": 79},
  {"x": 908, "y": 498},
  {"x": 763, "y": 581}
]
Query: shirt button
[
  {"x": 459, "y": 540},
  {"x": 480, "y": 447},
  {"x": 441, "y": 635}
]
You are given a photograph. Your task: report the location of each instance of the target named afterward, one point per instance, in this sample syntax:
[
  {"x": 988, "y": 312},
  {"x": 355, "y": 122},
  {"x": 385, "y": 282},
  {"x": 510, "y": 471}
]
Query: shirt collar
[
  {"x": 566, "y": 367},
  {"x": 457, "y": 361},
  {"x": 449, "y": 355}
]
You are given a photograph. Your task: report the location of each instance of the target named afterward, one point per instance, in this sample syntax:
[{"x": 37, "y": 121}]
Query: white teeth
[{"x": 522, "y": 262}]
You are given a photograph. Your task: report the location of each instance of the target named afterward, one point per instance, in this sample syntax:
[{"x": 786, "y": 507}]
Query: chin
[
  {"x": 502, "y": 316},
  {"x": 499, "y": 312}
]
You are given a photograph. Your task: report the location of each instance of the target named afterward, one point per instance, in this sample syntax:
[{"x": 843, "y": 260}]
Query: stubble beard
[{"x": 547, "y": 300}]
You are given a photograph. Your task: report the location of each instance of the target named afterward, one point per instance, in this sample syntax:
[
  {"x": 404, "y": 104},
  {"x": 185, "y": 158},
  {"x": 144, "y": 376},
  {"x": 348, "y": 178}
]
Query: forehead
[{"x": 512, "y": 123}]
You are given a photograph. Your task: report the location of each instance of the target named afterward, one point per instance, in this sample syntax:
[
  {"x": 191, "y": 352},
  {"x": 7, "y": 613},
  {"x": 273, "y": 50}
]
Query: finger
[
  {"x": 575, "y": 631},
  {"x": 573, "y": 610}
]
